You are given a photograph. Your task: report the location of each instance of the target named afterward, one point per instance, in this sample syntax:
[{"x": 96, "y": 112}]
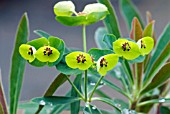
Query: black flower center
[
  {"x": 81, "y": 58},
  {"x": 142, "y": 44},
  {"x": 126, "y": 46},
  {"x": 47, "y": 51},
  {"x": 103, "y": 62},
  {"x": 30, "y": 52}
]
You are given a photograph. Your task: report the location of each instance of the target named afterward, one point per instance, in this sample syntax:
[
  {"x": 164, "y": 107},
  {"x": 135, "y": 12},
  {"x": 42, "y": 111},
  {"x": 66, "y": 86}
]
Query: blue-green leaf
[
  {"x": 109, "y": 39},
  {"x": 54, "y": 100},
  {"x": 164, "y": 110},
  {"x": 129, "y": 11},
  {"x": 91, "y": 109},
  {"x": 18, "y": 64},
  {"x": 42, "y": 33},
  {"x": 110, "y": 21},
  {"x": 99, "y": 35},
  {"x": 75, "y": 107},
  {"x": 161, "y": 77}
]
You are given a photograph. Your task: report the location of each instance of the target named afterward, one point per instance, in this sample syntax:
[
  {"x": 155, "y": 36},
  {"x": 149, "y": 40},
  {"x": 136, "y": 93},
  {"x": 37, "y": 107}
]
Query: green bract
[
  {"x": 145, "y": 44},
  {"x": 128, "y": 49},
  {"x": 79, "y": 60},
  {"x": 47, "y": 54},
  {"x": 106, "y": 63},
  {"x": 92, "y": 13},
  {"x": 27, "y": 52},
  {"x": 64, "y": 8}
]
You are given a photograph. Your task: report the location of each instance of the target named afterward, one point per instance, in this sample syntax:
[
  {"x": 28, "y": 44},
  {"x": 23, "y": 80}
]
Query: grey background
[{"x": 40, "y": 13}]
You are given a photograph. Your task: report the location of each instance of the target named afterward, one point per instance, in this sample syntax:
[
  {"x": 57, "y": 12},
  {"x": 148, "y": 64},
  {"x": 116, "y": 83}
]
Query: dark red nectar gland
[
  {"x": 30, "y": 51},
  {"x": 81, "y": 58},
  {"x": 142, "y": 44},
  {"x": 126, "y": 46},
  {"x": 48, "y": 51},
  {"x": 103, "y": 62}
]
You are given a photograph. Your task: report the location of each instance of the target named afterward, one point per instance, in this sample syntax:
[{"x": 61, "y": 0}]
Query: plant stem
[
  {"x": 95, "y": 87},
  {"x": 84, "y": 38},
  {"x": 85, "y": 74},
  {"x": 75, "y": 87},
  {"x": 85, "y": 85}
]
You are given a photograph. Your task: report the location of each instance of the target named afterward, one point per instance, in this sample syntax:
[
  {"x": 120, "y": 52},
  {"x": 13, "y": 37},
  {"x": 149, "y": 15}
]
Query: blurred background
[{"x": 40, "y": 14}]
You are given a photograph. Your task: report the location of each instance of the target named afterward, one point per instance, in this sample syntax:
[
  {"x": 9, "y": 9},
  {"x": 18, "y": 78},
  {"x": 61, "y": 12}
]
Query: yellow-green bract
[
  {"x": 47, "y": 54},
  {"x": 27, "y": 52},
  {"x": 128, "y": 49},
  {"x": 146, "y": 45},
  {"x": 106, "y": 63},
  {"x": 80, "y": 60}
]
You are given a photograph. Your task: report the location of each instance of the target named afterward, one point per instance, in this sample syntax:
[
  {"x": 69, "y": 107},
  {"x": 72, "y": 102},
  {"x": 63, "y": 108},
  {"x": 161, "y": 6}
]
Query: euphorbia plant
[{"x": 143, "y": 73}]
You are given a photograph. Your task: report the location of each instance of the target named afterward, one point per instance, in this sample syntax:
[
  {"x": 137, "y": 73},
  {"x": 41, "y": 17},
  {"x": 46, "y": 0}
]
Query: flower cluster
[{"x": 39, "y": 49}]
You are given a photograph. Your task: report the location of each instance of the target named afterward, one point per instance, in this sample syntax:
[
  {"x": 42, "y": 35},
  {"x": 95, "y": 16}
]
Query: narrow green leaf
[
  {"x": 99, "y": 35},
  {"x": 109, "y": 102},
  {"x": 42, "y": 33},
  {"x": 163, "y": 57},
  {"x": 109, "y": 39},
  {"x": 149, "y": 29},
  {"x": 54, "y": 100},
  {"x": 163, "y": 41},
  {"x": 164, "y": 110},
  {"x": 161, "y": 77},
  {"x": 154, "y": 101},
  {"x": 57, "y": 82},
  {"x": 110, "y": 21},
  {"x": 91, "y": 109},
  {"x": 3, "y": 103},
  {"x": 129, "y": 11},
  {"x": 18, "y": 64},
  {"x": 75, "y": 107},
  {"x": 136, "y": 30},
  {"x": 102, "y": 94}
]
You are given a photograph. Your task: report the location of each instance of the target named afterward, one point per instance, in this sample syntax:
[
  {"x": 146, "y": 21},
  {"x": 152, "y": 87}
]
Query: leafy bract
[{"x": 92, "y": 13}]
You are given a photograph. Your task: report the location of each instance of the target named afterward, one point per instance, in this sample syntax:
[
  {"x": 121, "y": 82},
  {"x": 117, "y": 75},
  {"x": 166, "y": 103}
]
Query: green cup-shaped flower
[
  {"x": 128, "y": 49},
  {"x": 146, "y": 45},
  {"x": 64, "y": 8},
  {"x": 47, "y": 54},
  {"x": 79, "y": 60},
  {"x": 27, "y": 52},
  {"x": 106, "y": 63},
  {"x": 95, "y": 7}
]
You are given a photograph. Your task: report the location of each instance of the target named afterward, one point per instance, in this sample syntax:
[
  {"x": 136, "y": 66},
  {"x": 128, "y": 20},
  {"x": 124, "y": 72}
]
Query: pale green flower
[
  {"x": 79, "y": 60},
  {"x": 47, "y": 54},
  {"x": 128, "y": 49},
  {"x": 27, "y": 52},
  {"x": 146, "y": 45},
  {"x": 106, "y": 63}
]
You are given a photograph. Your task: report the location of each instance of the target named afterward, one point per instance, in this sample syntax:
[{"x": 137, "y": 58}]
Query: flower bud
[
  {"x": 95, "y": 7},
  {"x": 64, "y": 8}
]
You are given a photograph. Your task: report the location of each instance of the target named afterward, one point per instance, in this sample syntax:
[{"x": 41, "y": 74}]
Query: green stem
[
  {"x": 95, "y": 87},
  {"x": 85, "y": 85},
  {"x": 75, "y": 87},
  {"x": 84, "y": 38}
]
